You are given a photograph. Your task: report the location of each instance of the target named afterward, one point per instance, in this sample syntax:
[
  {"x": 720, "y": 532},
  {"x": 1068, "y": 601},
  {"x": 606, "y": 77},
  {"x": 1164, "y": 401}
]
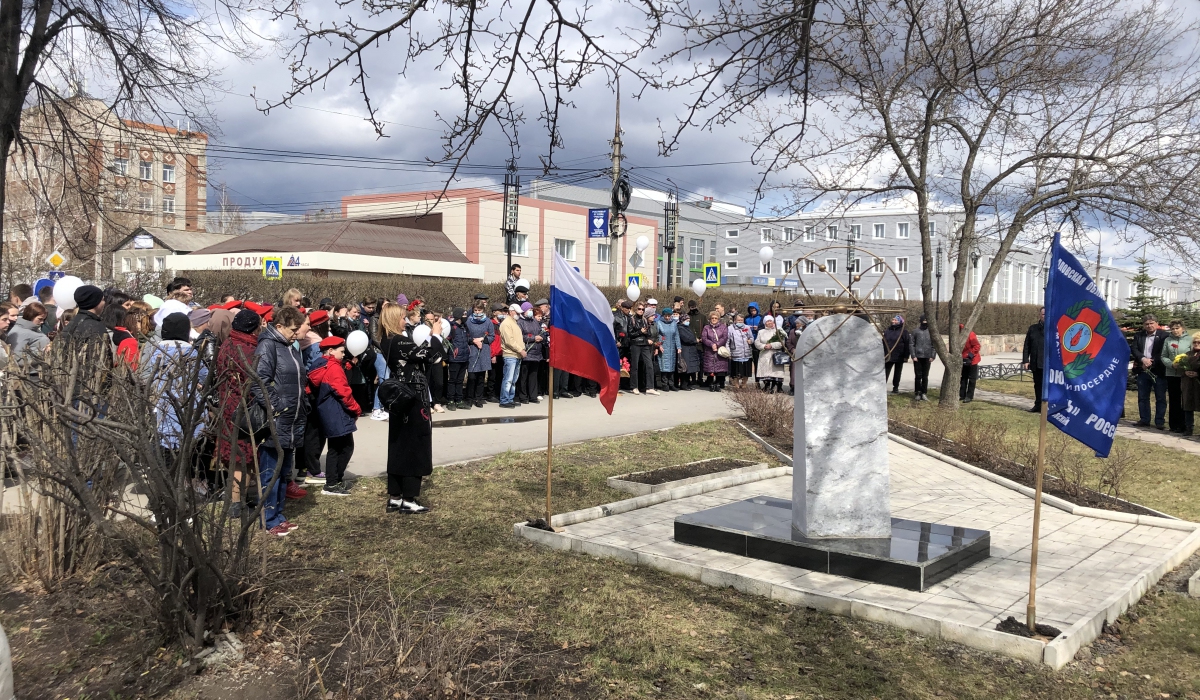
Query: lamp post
[
  {"x": 670, "y": 229},
  {"x": 512, "y": 195},
  {"x": 850, "y": 268},
  {"x": 937, "y": 269}
]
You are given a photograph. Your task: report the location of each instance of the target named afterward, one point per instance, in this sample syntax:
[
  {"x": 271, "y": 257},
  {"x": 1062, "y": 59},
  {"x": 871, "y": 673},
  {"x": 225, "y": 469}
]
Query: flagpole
[
  {"x": 549, "y": 443},
  {"x": 1031, "y": 609}
]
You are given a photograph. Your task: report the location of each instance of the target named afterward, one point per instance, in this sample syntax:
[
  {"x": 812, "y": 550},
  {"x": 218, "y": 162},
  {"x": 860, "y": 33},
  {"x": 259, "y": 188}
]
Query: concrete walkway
[{"x": 575, "y": 419}]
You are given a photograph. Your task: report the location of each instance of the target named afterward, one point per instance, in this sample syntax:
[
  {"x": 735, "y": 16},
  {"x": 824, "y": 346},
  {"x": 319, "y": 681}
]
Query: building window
[
  {"x": 731, "y": 264},
  {"x": 168, "y": 172},
  {"x": 120, "y": 166},
  {"x": 146, "y": 170},
  {"x": 1021, "y": 283},
  {"x": 831, "y": 233},
  {"x": 856, "y": 265},
  {"x": 565, "y": 247},
  {"x": 603, "y": 251},
  {"x": 521, "y": 245},
  {"x": 141, "y": 263},
  {"x": 831, "y": 265},
  {"x": 712, "y": 251},
  {"x": 732, "y": 250},
  {"x": 789, "y": 234},
  {"x": 1007, "y": 283},
  {"x": 696, "y": 253},
  {"x": 145, "y": 203},
  {"x": 902, "y": 230},
  {"x": 901, "y": 264},
  {"x": 877, "y": 266},
  {"x": 901, "y": 295},
  {"x": 878, "y": 293},
  {"x": 766, "y": 268},
  {"x": 856, "y": 232},
  {"x": 831, "y": 292},
  {"x": 810, "y": 267},
  {"x": 168, "y": 204},
  {"x": 126, "y": 265},
  {"x": 880, "y": 230},
  {"x": 160, "y": 263},
  {"x": 932, "y": 229},
  {"x": 810, "y": 233},
  {"x": 731, "y": 233},
  {"x": 787, "y": 267},
  {"x": 766, "y": 235},
  {"x": 120, "y": 201}
]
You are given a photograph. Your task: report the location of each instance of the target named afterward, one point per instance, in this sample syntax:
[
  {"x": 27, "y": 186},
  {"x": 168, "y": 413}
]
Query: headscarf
[
  {"x": 170, "y": 306},
  {"x": 221, "y": 324},
  {"x": 897, "y": 320}
]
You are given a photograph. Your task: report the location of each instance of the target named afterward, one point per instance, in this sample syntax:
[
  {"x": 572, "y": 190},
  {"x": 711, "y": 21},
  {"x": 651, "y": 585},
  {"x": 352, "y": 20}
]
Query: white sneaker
[
  {"x": 407, "y": 506},
  {"x": 636, "y": 392},
  {"x": 652, "y": 392},
  {"x": 437, "y": 408},
  {"x": 379, "y": 414}
]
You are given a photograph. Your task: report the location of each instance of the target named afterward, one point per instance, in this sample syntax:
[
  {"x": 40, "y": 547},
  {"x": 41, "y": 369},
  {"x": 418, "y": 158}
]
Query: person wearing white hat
[{"x": 512, "y": 350}]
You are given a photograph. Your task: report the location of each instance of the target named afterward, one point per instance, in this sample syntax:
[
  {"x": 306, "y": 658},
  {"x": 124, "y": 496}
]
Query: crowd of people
[{"x": 291, "y": 361}]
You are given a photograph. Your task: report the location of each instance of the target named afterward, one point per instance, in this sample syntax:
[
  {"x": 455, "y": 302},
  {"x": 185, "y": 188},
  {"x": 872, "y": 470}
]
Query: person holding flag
[{"x": 1085, "y": 363}]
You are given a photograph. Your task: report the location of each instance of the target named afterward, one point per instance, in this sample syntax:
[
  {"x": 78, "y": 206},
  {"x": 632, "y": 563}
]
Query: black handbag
[
  {"x": 252, "y": 421},
  {"x": 781, "y": 358},
  {"x": 398, "y": 394}
]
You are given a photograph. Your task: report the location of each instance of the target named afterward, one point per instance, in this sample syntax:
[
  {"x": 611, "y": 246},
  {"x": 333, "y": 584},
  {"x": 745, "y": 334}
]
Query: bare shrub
[
  {"x": 981, "y": 440},
  {"x": 1122, "y": 464},
  {"x": 100, "y": 467},
  {"x": 771, "y": 415}
]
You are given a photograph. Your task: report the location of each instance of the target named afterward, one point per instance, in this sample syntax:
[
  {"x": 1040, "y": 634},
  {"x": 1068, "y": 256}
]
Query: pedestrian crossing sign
[
  {"x": 712, "y": 274},
  {"x": 635, "y": 278},
  {"x": 272, "y": 268}
]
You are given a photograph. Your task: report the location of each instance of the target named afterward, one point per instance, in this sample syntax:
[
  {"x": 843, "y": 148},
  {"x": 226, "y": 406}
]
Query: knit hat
[
  {"x": 88, "y": 297},
  {"x": 332, "y": 342},
  {"x": 458, "y": 312},
  {"x": 402, "y": 300},
  {"x": 246, "y": 321},
  {"x": 526, "y": 306},
  {"x": 176, "y": 326},
  {"x": 199, "y": 317},
  {"x": 316, "y": 318}
]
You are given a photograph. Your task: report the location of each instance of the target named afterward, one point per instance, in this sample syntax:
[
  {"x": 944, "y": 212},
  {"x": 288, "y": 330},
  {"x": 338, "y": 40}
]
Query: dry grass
[{"x": 771, "y": 414}]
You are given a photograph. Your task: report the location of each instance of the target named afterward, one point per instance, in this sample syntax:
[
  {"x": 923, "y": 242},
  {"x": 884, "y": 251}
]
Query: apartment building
[{"x": 89, "y": 179}]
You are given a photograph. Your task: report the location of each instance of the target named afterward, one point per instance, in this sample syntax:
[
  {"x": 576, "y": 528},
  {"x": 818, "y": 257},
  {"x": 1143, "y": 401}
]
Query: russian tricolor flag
[{"x": 582, "y": 340}]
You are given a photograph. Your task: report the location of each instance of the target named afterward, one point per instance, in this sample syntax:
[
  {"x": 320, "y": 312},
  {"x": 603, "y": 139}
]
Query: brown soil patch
[{"x": 687, "y": 471}]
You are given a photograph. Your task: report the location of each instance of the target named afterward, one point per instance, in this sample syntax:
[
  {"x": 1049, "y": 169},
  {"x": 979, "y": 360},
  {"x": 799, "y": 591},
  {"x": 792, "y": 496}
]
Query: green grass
[
  {"x": 642, "y": 633},
  {"x": 1023, "y": 386},
  {"x": 1166, "y": 479}
]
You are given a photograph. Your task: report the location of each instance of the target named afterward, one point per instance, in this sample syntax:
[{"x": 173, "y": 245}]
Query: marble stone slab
[{"x": 840, "y": 481}]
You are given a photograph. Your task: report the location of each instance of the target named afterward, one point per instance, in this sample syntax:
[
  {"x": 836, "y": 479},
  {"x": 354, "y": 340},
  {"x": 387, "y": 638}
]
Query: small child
[{"x": 338, "y": 411}]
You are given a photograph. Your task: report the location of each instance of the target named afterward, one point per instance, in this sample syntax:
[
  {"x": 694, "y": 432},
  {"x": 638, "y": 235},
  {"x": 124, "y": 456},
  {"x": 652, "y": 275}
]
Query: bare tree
[
  {"x": 491, "y": 54},
  {"x": 228, "y": 218},
  {"x": 149, "y": 60},
  {"x": 1021, "y": 114}
]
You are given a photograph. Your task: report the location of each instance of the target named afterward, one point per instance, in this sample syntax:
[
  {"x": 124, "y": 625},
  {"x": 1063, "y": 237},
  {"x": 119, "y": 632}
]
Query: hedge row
[{"x": 449, "y": 293}]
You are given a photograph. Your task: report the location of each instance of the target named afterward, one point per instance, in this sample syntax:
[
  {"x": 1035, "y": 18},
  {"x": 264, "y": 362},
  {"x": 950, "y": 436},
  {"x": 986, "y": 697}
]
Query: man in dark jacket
[
  {"x": 1148, "y": 371},
  {"x": 281, "y": 374},
  {"x": 897, "y": 347},
  {"x": 1033, "y": 357},
  {"x": 87, "y": 324},
  {"x": 923, "y": 353}
]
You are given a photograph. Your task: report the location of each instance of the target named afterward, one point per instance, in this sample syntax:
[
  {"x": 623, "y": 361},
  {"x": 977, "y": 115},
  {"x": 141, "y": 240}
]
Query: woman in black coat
[{"x": 410, "y": 427}]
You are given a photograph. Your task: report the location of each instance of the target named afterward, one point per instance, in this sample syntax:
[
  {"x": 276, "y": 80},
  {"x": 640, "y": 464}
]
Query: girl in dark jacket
[
  {"x": 457, "y": 358},
  {"x": 235, "y": 367},
  {"x": 410, "y": 427},
  {"x": 336, "y": 410}
]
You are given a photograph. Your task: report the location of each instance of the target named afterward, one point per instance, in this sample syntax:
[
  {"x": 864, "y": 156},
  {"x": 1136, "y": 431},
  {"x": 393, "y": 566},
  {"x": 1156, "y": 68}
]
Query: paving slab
[{"x": 1091, "y": 566}]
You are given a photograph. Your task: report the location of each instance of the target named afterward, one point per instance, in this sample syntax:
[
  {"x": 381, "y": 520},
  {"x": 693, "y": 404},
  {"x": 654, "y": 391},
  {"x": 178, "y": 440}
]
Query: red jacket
[
  {"x": 337, "y": 409},
  {"x": 496, "y": 341},
  {"x": 971, "y": 349}
]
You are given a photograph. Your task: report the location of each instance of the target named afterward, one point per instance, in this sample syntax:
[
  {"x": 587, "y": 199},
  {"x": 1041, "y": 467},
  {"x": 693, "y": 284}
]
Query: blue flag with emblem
[{"x": 1083, "y": 380}]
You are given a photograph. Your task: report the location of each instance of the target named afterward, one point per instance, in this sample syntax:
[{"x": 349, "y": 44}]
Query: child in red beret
[{"x": 338, "y": 412}]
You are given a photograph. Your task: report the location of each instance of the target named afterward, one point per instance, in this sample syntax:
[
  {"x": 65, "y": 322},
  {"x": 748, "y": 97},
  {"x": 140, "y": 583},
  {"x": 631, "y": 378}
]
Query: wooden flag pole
[
  {"x": 549, "y": 443},
  {"x": 1031, "y": 609}
]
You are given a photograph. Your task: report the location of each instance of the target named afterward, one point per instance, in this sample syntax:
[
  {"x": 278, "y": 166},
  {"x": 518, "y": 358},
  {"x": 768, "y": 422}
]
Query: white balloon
[
  {"x": 642, "y": 243},
  {"x": 445, "y": 328},
  {"x": 766, "y": 253},
  {"x": 64, "y": 291},
  {"x": 633, "y": 292},
  {"x": 421, "y": 334},
  {"x": 356, "y": 343},
  {"x": 699, "y": 287}
]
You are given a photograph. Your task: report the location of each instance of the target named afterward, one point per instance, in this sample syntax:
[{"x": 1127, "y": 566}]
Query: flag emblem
[{"x": 1083, "y": 332}]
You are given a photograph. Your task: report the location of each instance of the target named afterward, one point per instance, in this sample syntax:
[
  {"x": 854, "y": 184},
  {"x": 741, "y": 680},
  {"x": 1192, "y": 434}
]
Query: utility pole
[
  {"x": 670, "y": 231},
  {"x": 512, "y": 198},
  {"x": 614, "y": 217}
]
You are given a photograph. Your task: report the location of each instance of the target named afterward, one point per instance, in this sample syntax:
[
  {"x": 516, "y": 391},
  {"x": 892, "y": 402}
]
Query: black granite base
[{"x": 916, "y": 556}]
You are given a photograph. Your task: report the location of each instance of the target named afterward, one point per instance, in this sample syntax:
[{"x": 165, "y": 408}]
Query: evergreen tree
[{"x": 1143, "y": 302}]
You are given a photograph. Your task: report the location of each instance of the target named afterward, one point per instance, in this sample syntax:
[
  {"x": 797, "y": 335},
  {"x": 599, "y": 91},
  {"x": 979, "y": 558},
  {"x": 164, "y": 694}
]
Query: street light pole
[
  {"x": 937, "y": 267},
  {"x": 850, "y": 268},
  {"x": 670, "y": 230},
  {"x": 512, "y": 198}
]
